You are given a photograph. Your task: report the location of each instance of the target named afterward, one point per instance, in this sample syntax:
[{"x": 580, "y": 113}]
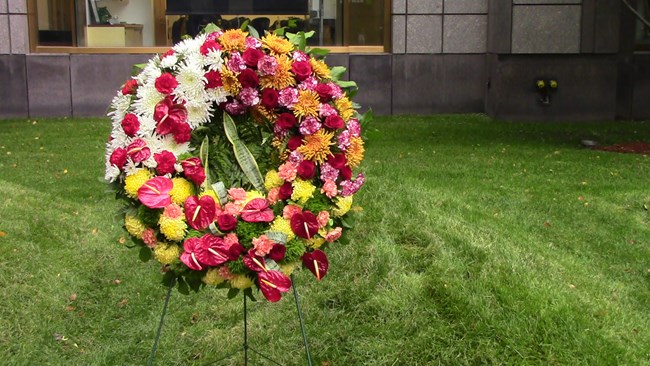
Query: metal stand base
[{"x": 246, "y": 346}]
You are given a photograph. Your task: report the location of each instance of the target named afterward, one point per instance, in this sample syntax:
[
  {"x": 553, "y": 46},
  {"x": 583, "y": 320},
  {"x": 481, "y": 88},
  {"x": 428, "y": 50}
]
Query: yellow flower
[
  {"x": 172, "y": 229},
  {"x": 272, "y": 180},
  {"x": 302, "y": 191},
  {"x": 133, "y": 225},
  {"x": 282, "y": 225},
  {"x": 166, "y": 253},
  {"x": 252, "y": 195},
  {"x": 233, "y": 40},
  {"x": 241, "y": 282},
  {"x": 276, "y": 44},
  {"x": 308, "y": 104},
  {"x": 230, "y": 82},
  {"x": 343, "y": 205},
  {"x": 211, "y": 193},
  {"x": 182, "y": 189},
  {"x": 282, "y": 77},
  {"x": 316, "y": 147},
  {"x": 315, "y": 242},
  {"x": 320, "y": 69},
  {"x": 288, "y": 268},
  {"x": 134, "y": 181},
  {"x": 344, "y": 106},
  {"x": 212, "y": 277},
  {"x": 354, "y": 153}
]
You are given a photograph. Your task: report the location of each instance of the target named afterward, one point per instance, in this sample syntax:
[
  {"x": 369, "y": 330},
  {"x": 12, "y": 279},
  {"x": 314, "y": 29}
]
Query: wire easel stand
[{"x": 246, "y": 346}]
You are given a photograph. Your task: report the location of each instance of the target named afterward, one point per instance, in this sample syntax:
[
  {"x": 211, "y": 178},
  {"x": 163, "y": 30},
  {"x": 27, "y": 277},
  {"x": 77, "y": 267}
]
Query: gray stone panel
[
  {"x": 3, "y": 6},
  {"x": 546, "y": 2},
  {"x": 585, "y": 87},
  {"x": 499, "y": 26},
  {"x": 399, "y": 6},
  {"x": 48, "y": 85},
  {"x": 13, "y": 92},
  {"x": 372, "y": 73},
  {"x": 424, "y": 6},
  {"x": 19, "y": 34},
  {"x": 339, "y": 59},
  {"x": 17, "y": 6},
  {"x": 424, "y": 34},
  {"x": 641, "y": 99},
  {"x": 5, "y": 45},
  {"x": 546, "y": 29},
  {"x": 465, "y": 34},
  {"x": 95, "y": 80},
  {"x": 466, "y": 6},
  {"x": 399, "y": 34},
  {"x": 607, "y": 26},
  {"x": 425, "y": 84}
]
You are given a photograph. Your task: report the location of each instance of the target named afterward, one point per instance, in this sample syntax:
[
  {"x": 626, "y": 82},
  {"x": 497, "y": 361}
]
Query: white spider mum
[
  {"x": 119, "y": 105},
  {"x": 191, "y": 81},
  {"x": 168, "y": 143},
  {"x": 150, "y": 72},
  {"x": 198, "y": 112},
  {"x": 213, "y": 60},
  {"x": 146, "y": 101},
  {"x": 190, "y": 46},
  {"x": 169, "y": 61},
  {"x": 217, "y": 95}
]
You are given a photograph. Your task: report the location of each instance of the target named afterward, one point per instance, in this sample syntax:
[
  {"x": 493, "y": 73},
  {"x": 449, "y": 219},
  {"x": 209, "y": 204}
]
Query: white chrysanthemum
[
  {"x": 130, "y": 167},
  {"x": 147, "y": 125},
  {"x": 150, "y": 72},
  {"x": 120, "y": 105},
  {"x": 147, "y": 99},
  {"x": 150, "y": 162},
  {"x": 153, "y": 143},
  {"x": 191, "y": 82},
  {"x": 213, "y": 60},
  {"x": 190, "y": 46},
  {"x": 168, "y": 143},
  {"x": 112, "y": 172},
  {"x": 217, "y": 95},
  {"x": 119, "y": 138},
  {"x": 198, "y": 112},
  {"x": 169, "y": 62}
]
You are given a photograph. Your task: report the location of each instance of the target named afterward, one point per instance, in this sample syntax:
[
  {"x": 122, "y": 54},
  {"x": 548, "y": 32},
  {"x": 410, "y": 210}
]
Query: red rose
[
  {"x": 334, "y": 122},
  {"x": 302, "y": 69},
  {"x": 285, "y": 191},
  {"x": 226, "y": 222},
  {"x": 346, "y": 173},
  {"x": 286, "y": 121},
  {"x": 209, "y": 45},
  {"x": 130, "y": 124},
  {"x": 130, "y": 87},
  {"x": 166, "y": 161},
  {"x": 337, "y": 160},
  {"x": 118, "y": 157},
  {"x": 294, "y": 142},
  {"x": 251, "y": 56},
  {"x": 248, "y": 78},
  {"x": 214, "y": 79},
  {"x": 270, "y": 98},
  {"x": 138, "y": 151},
  {"x": 324, "y": 92},
  {"x": 182, "y": 133},
  {"x": 166, "y": 83},
  {"x": 193, "y": 169},
  {"x": 306, "y": 169}
]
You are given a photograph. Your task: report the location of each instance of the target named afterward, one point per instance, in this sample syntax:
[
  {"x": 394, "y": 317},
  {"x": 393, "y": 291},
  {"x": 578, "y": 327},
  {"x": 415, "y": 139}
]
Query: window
[{"x": 161, "y": 23}]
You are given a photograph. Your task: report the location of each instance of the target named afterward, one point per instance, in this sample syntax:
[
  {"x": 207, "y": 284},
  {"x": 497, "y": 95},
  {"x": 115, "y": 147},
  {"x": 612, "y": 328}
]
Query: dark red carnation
[
  {"x": 130, "y": 124},
  {"x": 346, "y": 173},
  {"x": 214, "y": 79},
  {"x": 118, "y": 157},
  {"x": 248, "y": 78},
  {"x": 226, "y": 222},
  {"x": 337, "y": 160},
  {"x": 165, "y": 161},
  {"x": 334, "y": 122},
  {"x": 324, "y": 92},
  {"x": 270, "y": 98},
  {"x": 182, "y": 133},
  {"x": 168, "y": 53},
  {"x": 193, "y": 170},
  {"x": 209, "y": 45},
  {"x": 302, "y": 70},
  {"x": 286, "y": 121},
  {"x": 285, "y": 191},
  {"x": 166, "y": 83},
  {"x": 306, "y": 169},
  {"x": 294, "y": 142},
  {"x": 251, "y": 56},
  {"x": 130, "y": 87}
]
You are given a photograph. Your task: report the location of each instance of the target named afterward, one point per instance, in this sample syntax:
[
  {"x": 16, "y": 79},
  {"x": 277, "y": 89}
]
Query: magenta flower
[
  {"x": 193, "y": 170},
  {"x": 257, "y": 210},
  {"x": 138, "y": 151},
  {"x": 212, "y": 251},
  {"x": 155, "y": 192},
  {"x": 316, "y": 262},
  {"x": 200, "y": 212},
  {"x": 304, "y": 224},
  {"x": 189, "y": 255},
  {"x": 272, "y": 284}
]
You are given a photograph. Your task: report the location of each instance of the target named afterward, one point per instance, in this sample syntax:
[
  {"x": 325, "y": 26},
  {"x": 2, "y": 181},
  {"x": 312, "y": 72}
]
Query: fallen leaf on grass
[
  {"x": 121, "y": 240},
  {"x": 116, "y": 281},
  {"x": 69, "y": 308},
  {"x": 547, "y": 224},
  {"x": 572, "y": 286},
  {"x": 581, "y": 198},
  {"x": 122, "y": 303},
  {"x": 2, "y": 233},
  {"x": 95, "y": 231},
  {"x": 73, "y": 297}
]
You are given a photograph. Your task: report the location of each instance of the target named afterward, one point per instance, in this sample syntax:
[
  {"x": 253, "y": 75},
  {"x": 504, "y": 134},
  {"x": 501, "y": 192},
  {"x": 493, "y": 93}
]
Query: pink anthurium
[
  {"x": 200, "y": 212},
  {"x": 272, "y": 284},
  {"x": 169, "y": 116},
  {"x": 316, "y": 262},
  {"x": 257, "y": 210},
  {"x": 155, "y": 192},
  {"x": 212, "y": 251},
  {"x": 189, "y": 255},
  {"x": 304, "y": 224}
]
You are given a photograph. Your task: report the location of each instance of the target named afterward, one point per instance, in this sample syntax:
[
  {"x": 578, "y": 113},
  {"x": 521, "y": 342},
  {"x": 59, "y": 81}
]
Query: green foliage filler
[{"x": 476, "y": 242}]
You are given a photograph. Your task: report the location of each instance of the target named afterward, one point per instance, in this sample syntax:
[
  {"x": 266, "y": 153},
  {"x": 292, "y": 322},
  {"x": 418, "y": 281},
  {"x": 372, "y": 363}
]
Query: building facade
[{"x": 512, "y": 59}]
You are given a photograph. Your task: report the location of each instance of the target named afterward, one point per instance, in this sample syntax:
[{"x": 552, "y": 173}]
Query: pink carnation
[
  {"x": 337, "y": 92},
  {"x": 323, "y": 218},
  {"x": 267, "y": 65},
  {"x": 236, "y": 62},
  {"x": 326, "y": 110},
  {"x": 344, "y": 140},
  {"x": 333, "y": 235},
  {"x": 232, "y": 209},
  {"x": 238, "y": 195},
  {"x": 252, "y": 42},
  {"x": 235, "y": 108},
  {"x": 295, "y": 157},
  {"x": 328, "y": 172},
  {"x": 309, "y": 83},
  {"x": 329, "y": 189},
  {"x": 230, "y": 239},
  {"x": 300, "y": 56},
  {"x": 288, "y": 97},
  {"x": 263, "y": 245},
  {"x": 350, "y": 187},
  {"x": 354, "y": 127},
  {"x": 290, "y": 210},
  {"x": 173, "y": 211},
  {"x": 273, "y": 195},
  {"x": 149, "y": 237},
  {"x": 287, "y": 172},
  {"x": 249, "y": 97},
  {"x": 309, "y": 126}
]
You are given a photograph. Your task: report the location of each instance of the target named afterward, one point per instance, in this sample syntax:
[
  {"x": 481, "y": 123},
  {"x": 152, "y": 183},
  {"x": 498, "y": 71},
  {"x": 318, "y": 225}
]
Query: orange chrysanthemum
[
  {"x": 307, "y": 105},
  {"x": 261, "y": 114},
  {"x": 320, "y": 69},
  {"x": 277, "y": 45},
  {"x": 344, "y": 106},
  {"x": 282, "y": 78},
  {"x": 233, "y": 40},
  {"x": 316, "y": 147},
  {"x": 230, "y": 81},
  {"x": 354, "y": 153}
]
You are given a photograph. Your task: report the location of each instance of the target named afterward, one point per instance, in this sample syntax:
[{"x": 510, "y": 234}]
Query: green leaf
[
  {"x": 346, "y": 84},
  {"x": 272, "y": 265},
  {"x": 244, "y": 157},
  {"x": 249, "y": 293},
  {"x": 220, "y": 189},
  {"x": 318, "y": 52},
  {"x": 203, "y": 155},
  {"x": 211, "y": 28},
  {"x": 145, "y": 254},
  {"x": 169, "y": 278},
  {"x": 253, "y": 32},
  {"x": 277, "y": 236},
  {"x": 194, "y": 283},
  {"x": 232, "y": 293},
  {"x": 280, "y": 31},
  {"x": 244, "y": 25},
  {"x": 135, "y": 69},
  {"x": 182, "y": 286},
  {"x": 336, "y": 72}
]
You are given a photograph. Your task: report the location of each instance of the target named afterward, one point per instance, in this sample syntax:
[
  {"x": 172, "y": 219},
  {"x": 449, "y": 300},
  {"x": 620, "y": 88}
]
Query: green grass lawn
[{"x": 477, "y": 242}]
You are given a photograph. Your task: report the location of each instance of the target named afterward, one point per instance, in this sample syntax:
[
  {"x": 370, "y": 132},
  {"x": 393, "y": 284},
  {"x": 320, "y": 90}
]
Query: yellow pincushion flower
[
  {"x": 316, "y": 147},
  {"x": 134, "y": 181},
  {"x": 173, "y": 229},
  {"x": 288, "y": 268},
  {"x": 272, "y": 180},
  {"x": 344, "y": 106},
  {"x": 166, "y": 253},
  {"x": 343, "y": 205},
  {"x": 182, "y": 189},
  {"x": 302, "y": 191},
  {"x": 320, "y": 69},
  {"x": 134, "y": 226},
  {"x": 315, "y": 242},
  {"x": 241, "y": 282},
  {"x": 212, "y": 277},
  {"x": 308, "y": 104},
  {"x": 276, "y": 44},
  {"x": 282, "y": 225},
  {"x": 354, "y": 153}
]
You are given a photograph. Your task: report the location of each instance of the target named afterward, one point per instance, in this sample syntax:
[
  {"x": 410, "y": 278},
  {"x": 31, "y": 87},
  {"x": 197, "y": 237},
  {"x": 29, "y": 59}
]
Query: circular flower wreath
[{"x": 235, "y": 157}]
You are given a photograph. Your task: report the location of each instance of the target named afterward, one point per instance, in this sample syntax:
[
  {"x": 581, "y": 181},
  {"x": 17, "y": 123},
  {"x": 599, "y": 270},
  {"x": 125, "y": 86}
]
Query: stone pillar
[{"x": 18, "y": 26}]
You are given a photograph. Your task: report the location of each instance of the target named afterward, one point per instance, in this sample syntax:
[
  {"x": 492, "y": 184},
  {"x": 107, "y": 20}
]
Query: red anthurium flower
[
  {"x": 272, "y": 284},
  {"x": 277, "y": 252},
  {"x": 169, "y": 115},
  {"x": 304, "y": 224},
  {"x": 193, "y": 169},
  {"x": 316, "y": 262},
  {"x": 212, "y": 251},
  {"x": 200, "y": 212},
  {"x": 138, "y": 151},
  {"x": 254, "y": 262},
  {"x": 257, "y": 210},
  {"x": 155, "y": 192},
  {"x": 189, "y": 255}
]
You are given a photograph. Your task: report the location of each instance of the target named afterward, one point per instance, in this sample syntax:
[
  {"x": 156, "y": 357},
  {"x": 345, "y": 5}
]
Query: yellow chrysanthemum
[
  {"x": 241, "y": 282},
  {"x": 320, "y": 69},
  {"x": 172, "y": 229},
  {"x": 276, "y": 45},
  {"x": 302, "y": 191},
  {"x": 134, "y": 226},
  {"x": 212, "y": 277},
  {"x": 182, "y": 189},
  {"x": 316, "y": 147},
  {"x": 343, "y": 205},
  {"x": 134, "y": 181},
  {"x": 315, "y": 242},
  {"x": 233, "y": 40},
  {"x": 282, "y": 78},
  {"x": 308, "y": 104},
  {"x": 282, "y": 225},
  {"x": 211, "y": 193},
  {"x": 272, "y": 180},
  {"x": 250, "y": 195},
  {"x": 230, "y": 82},
  {"x": 354, "y": 153},
  {"x": 344, "y": 106},
  {"x": 288, "y": 268},
  {"x": 166, "y": 253}
]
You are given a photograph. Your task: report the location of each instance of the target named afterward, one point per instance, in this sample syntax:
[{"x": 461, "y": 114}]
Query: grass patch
[{"x": 480, "y": 242}]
